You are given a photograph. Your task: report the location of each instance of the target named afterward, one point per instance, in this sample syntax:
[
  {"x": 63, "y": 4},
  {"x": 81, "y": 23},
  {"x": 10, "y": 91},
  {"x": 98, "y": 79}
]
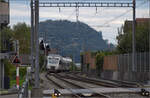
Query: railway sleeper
[
  {"x": 91, "y": 81},
  {"x": 115, "y": 83},
  {"x": 80, "y": 95},
  {"x": 121, "y": 83}
]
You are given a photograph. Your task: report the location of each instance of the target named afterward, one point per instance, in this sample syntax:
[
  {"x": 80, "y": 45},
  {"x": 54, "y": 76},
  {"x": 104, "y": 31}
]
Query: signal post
[{"x": 16, "y": 61}]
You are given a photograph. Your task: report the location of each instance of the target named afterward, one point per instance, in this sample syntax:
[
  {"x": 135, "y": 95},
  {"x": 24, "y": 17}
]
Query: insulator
[
  {"x": 96, "y": 10},
  {"x": 59, "y": 9}
]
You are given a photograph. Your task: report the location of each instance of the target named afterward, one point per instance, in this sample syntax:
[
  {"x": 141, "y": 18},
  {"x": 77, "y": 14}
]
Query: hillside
[{"x": 71, "y": 38}]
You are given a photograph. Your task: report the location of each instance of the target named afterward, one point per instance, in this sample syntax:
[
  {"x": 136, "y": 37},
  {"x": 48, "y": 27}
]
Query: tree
[
  {"x": 99, "y": 62},
  {"x": 21, "y": 32},
  {"x": 2, "y": 1},
  {"x": 125, "y": 38}
]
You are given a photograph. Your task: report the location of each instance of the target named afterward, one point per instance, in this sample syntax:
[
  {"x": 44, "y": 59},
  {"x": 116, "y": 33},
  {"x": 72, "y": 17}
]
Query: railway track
[
  {"x": 70, "y": 85},
  {"x": 91, "y": 81},
  {"x": 75, "y": 87},
  {"x": 116, "y": 83},
  {"x": 59, "y": 85}
]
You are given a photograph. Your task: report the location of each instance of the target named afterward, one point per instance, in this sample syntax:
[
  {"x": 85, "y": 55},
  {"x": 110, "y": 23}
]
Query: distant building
[
  {"x": 142, "y": 20},
  {"x": 88, "y": 62},
  {"x": 4, "y": 12},
  {"x": 110, "y": 63},
  {"x": 139, "y": 21},
  {"x": 4, "y": 21},
  {"x": 53, "y": 51}
]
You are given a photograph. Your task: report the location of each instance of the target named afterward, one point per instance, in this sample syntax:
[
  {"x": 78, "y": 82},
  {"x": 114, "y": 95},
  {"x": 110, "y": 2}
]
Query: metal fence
[
  {"x": 23, "y": 92},
  {"x": 120, "y": 67},
  {"x": 141, "y": 62},
  {"x": 123, "y": 62}
]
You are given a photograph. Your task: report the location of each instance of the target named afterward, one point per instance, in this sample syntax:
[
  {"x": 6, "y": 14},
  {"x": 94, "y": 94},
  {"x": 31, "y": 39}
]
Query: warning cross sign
[{"x": 16, "y": 60}]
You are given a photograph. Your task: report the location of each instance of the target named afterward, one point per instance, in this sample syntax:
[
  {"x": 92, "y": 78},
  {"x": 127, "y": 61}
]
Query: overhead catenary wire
[
  {"x": 73, "y": 0},
  {"x": 71, "y": 14},
  {"x": 106, "y": 24},
  {"x": 149, "y": 35},
  {"x": 115, "y": 18}
]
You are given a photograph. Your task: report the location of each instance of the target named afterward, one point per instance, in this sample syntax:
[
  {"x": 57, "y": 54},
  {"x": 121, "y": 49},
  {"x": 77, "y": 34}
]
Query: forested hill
[{"x": 71, "y": 38}]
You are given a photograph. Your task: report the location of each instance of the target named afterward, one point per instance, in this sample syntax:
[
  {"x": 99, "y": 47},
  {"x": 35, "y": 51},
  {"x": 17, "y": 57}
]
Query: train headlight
[
  {"x": 55, "y": 94},
  {"x": 146, "y": 93},
  {"x": 143, "y": 93},
  {"x": 59, "y": 94}
]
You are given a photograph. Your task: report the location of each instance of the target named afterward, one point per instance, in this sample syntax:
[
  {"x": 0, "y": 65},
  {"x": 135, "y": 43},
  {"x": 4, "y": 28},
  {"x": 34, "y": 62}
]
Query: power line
[
  {"x": 149, "y": 35},
  {"x": 106, "y": 23},
  {"x": 75, "y": 0}
]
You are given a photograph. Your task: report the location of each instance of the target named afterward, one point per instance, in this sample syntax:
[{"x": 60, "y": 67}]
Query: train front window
[{"x": 54, "y": 60}]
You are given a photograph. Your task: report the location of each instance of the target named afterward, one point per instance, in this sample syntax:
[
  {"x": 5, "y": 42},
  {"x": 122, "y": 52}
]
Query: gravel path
[{"x": 46, "y": 84}]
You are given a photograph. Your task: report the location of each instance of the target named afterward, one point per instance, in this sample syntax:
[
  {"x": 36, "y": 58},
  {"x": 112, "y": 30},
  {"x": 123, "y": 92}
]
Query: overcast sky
[{"x": 106, "y": 20}]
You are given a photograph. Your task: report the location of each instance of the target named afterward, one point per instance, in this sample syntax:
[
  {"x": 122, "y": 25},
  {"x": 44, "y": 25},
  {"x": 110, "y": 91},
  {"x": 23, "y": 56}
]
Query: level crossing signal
[
  {"x": 16, "y": 60},
  {"x": 42, "y": 45},
  {"x": 47, "y": 47},
  {"x": 56, "y": 93}
]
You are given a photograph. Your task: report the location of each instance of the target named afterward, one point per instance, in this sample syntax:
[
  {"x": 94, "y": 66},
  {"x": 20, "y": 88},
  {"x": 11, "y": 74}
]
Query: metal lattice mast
[
  {"x": 84, "y": 4},
  {"x": 37, "y": 79},
  {"x": 32, "y": 37},
  {"x": 133, "y": 38},
  {"x": 149, "y": 35}
]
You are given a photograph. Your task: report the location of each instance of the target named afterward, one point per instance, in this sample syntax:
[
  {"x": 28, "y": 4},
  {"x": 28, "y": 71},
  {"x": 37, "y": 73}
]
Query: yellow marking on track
[{"x": 53, "y": 96}]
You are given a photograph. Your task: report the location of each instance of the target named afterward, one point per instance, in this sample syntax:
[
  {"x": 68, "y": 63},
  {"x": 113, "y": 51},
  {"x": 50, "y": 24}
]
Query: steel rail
[
  {"x": 119, "y": 83},
  {"x": 54, "y": 82},
  {"x": 78, "y": 86},
  {"x": 59, "y": 85},
  {"x": 101, "y": 83},
  {"x": 58, "y": 76},
  {"x": 122, "y": 83}
]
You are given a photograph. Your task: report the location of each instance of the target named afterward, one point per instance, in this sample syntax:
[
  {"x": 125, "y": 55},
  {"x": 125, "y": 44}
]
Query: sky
[{"x": 107, "y": 20}]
